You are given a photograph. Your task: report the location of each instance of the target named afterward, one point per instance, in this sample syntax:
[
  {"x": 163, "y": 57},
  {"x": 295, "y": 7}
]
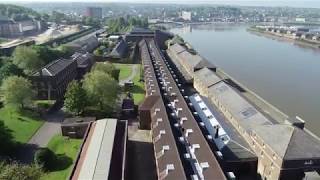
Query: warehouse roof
[
  {"x": 289, "y": 142},
  {"x": 247, "y": 115},
  {"x": 207, "y": 76}
]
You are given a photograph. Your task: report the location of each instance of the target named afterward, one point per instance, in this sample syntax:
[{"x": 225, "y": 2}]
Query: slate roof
[
  {"x": 289, "y": 142},
  {"x": 120, "y": 50},
  {"x": 207, "y": 76},
  {"x": 149, "y": 102},
  {"x": 86, "y": 43},
  {"x": 192, "y": 61},
  {"x": 277, "y": 136},
  {"x": 82, "y": 59},
  {"x": 54, "y": 67},
  {"x": 181, "y": 69},
  {"x": 247, "y": 115},
  {"x": 237, "y": 148},
  {"x": 162, "y": 131}
]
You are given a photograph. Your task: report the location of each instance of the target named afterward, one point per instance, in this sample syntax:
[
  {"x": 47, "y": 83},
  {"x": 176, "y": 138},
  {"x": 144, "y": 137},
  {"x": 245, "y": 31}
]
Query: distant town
[{"x": 106, "y": 91}]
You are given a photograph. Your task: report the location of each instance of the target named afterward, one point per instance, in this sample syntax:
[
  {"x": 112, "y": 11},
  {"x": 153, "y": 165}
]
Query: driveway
[{"x": 41, "y": 138}]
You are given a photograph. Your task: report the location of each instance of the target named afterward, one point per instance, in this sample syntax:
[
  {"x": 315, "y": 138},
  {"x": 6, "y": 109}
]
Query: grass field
[
  {"x": 138, "y": 90},
  {"x": 66, "y": 151},
  {"x": 22, "y": 124},
  {"x": 125, "y": 70}
]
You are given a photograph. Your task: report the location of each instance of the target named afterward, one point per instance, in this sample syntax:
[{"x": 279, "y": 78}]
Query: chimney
[{"x": 217, "y": 132}]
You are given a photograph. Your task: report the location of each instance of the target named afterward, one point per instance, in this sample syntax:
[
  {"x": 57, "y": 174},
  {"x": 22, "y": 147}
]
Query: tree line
[{"x": 122, "y": 24}]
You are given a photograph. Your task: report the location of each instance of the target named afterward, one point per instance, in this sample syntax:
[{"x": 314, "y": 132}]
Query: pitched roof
[
  {"x": 85, "y": 43},
  {"x": 177, "y": 48},
  {"x": 54, "y": 67},
  {"x": 289, "y": 142},
  {"x": 247, "y": 115},
  {"x": 149, "y": 102},
  {"x": 120, "y": 49},
  {"x": 194, "y": 61},
  {"x": 83, "y": 59},
  {"x": 302, "y": 145},
  {"x": 277, "y": 136},
  {"x": 207, "y": 76}
]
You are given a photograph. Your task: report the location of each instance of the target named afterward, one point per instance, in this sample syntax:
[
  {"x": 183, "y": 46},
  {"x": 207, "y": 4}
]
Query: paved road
[
  {"x": 50, "y": 128},
  {"x": 42, "y": 137},
  {"x": 134, "y": 71}
]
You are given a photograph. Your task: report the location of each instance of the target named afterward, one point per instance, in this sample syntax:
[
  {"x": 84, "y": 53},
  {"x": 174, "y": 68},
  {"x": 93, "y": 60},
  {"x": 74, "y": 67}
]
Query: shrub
[
  {"x": 44, "y": 158},
  {"x": 16, "y": 171}
]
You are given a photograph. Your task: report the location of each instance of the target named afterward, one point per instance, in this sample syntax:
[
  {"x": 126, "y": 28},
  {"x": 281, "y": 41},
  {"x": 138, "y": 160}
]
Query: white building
[{"x": 186, "y": 15}]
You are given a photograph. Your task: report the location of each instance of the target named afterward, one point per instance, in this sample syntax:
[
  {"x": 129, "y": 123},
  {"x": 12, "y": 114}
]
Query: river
[{"x": 283, "y": 73}]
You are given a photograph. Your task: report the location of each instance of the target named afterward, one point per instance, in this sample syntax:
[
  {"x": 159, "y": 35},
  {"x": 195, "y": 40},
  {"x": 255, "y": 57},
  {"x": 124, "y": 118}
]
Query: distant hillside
[{"x": 18, "y": 12}]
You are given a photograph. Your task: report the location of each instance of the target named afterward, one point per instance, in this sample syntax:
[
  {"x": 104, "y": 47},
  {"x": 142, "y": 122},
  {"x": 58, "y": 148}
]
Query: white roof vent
[
  {"x": 165, "y": 147},
  {"x": 156, "y": 110},
  {"x": 170, "y": 167},
  {"x": 219, "y": 154},
  {"x": 204, "y": 165},
  {"x": 194, "y": 177},
  {"x": 181, "y": 139},
  {"x": 173, "y": 94},
  {"x": 187, "y": 156},
  {"x": 195, "y": 146},
  {"x": 188, "y": 131}
]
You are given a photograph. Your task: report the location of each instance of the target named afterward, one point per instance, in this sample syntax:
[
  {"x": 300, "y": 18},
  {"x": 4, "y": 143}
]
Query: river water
[{"x": 283, "y": 73}]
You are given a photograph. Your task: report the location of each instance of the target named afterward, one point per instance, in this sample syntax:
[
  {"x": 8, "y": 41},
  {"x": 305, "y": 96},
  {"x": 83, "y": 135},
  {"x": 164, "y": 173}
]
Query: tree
[
  {"x": 9, "y": 69},
  {"x": 44, "y": 158},
  {"x": 47, "y": 54},
  {"x": 17, "y": 91},
  {"x": 101, "y": 89},
  {"x": 65, "y": 51},
  {"x": 75, "y": 98},
  {"x": 27, "y": 59},
  {"x": 16, "y": 171},
  {"x": 108, "y": 68},
  {"x": 7, "y": 142},
  {"x": 98, "y": 52}
]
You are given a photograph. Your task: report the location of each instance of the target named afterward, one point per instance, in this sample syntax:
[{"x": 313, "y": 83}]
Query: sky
[{"x": 292, "y": 3}]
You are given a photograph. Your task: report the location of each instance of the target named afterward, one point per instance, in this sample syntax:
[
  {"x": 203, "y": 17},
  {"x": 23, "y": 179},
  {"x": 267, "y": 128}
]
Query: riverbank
[{"x": 284, "y": 37}]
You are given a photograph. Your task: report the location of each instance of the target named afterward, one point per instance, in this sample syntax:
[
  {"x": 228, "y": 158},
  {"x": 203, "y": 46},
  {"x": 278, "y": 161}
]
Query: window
[{"x": 262, "y": 153}]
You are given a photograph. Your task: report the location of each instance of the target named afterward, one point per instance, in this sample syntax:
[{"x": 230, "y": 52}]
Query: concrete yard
[{"x": 141, "y": 163}]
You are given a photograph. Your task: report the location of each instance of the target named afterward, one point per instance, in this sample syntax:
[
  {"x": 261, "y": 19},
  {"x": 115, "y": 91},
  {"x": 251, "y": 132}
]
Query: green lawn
[
  {"x": 22, "y": 124},
  {"x": 138, "y": 89},
  {"x": 125, "y": 70},
  {"x": 66, "y": 149}
]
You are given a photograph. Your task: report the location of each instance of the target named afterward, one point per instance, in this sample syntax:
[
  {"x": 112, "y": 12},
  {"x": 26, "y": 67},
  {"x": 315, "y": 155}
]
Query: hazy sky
[{"x": 295, "y": 3}]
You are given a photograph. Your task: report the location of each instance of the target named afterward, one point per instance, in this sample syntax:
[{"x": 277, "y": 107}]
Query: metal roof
[{"x": 97, "y": 159}]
